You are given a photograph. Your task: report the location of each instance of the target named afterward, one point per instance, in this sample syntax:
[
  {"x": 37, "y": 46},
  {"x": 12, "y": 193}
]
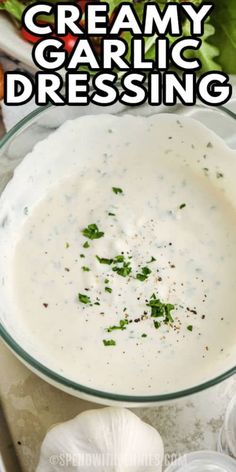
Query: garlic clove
[{"x": 106, "y": 440}]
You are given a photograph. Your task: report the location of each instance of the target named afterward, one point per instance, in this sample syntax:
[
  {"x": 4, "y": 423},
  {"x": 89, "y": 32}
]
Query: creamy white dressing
[{"x": 177, "y": 206}]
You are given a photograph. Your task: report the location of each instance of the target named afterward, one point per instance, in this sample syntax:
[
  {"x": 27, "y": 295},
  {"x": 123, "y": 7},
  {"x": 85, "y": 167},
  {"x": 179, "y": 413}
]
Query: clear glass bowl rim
[
  {"x": 69, "y": 384},
  {"x": 197, "y": 458}
]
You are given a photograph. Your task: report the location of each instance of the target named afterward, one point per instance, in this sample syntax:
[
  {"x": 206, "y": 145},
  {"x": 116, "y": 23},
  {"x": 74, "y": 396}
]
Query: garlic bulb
[{"x": 105, "y": 440}]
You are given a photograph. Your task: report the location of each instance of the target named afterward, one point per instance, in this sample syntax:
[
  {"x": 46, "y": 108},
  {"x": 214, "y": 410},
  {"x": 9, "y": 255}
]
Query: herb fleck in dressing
[{"x": 148, "y": 241}]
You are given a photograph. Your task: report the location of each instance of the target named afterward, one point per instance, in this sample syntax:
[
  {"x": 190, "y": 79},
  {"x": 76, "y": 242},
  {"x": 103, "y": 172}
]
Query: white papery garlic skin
[{"x": 102, "y": 440}]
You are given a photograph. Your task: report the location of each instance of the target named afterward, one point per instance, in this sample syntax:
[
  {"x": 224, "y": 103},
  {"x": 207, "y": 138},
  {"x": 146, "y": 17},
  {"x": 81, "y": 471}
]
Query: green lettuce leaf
[
  {"x": 223, "y": 18},
  {"x": 15, "y": 8}
]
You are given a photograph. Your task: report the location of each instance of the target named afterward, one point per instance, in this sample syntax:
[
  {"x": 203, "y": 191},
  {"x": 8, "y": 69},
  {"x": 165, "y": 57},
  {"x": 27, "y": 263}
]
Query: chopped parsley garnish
[
  {"x": 92, "y": 232},
  {"x": 84, "y": 298},
  {"x": 143, "y": 275},
  {"x": 183, "y": 205},
  {"x": 160, "y": 309},
  {"x": 117, "y": 190},
  {"x": 123, "y": 270},
  {"x": 219, "y": 175},
  {"x": 151, "y": 260},
  {"x": 109, "y": 342},
  {"x": 82, "y": 256},
  {"x": 108, "y": 289},
  {"x": 190, "y": 327},
  {"x": 168, "y": 308},
  {"x": 209, "y": 145},
  {"x": 157, "y": 324},
  {"x": 122, "y": 325},
  {"x": 119, "y": 258},
  {"x": 104, "y": 260},
  {"x": 120, "y": 265},
  {"x": 67, "y": 245}
]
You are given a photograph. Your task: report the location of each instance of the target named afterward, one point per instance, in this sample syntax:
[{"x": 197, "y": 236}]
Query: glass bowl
[
  {"x": 227, "y": 436},
  {"x": 20, "y": 141},
  {"x": 203, "y": 461}
]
